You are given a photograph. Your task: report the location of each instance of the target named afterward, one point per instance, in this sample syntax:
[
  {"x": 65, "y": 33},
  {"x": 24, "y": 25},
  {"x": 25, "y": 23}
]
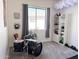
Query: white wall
[
  {"x": 71, "y": 26},
  {"x": 16, "y": 6},
  {"x": 72, "y": 23},
  {"x": 3, "y": 43},
  {"x": 1, "y": 14},
  {"x": 3, "y": 33}
]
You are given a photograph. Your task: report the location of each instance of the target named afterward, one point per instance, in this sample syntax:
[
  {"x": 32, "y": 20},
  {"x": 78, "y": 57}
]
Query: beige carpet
[{"x": 51, "y": 50}]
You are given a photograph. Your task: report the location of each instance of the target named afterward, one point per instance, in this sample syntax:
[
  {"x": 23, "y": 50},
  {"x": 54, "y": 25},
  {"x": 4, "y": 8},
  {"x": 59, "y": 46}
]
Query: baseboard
[{"x": 46, "y": 41}]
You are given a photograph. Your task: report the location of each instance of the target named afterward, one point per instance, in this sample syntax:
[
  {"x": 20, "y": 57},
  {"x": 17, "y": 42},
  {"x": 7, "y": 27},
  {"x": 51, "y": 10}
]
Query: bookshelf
[{"x": 59, "y": 28}]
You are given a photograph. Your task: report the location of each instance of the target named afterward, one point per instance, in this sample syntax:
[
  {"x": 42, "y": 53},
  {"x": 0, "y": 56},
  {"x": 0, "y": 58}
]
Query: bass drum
[{"x": 35, "y": 48}]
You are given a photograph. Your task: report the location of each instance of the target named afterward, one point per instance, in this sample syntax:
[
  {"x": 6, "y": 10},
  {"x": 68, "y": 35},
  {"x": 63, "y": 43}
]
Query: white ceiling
[{"x": 65, "y": 4}]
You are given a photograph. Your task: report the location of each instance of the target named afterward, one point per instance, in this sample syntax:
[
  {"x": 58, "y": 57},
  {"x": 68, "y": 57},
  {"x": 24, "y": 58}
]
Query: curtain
[
  {"x": 25, "y": 20},
  {"x": 47, "y": 34}
]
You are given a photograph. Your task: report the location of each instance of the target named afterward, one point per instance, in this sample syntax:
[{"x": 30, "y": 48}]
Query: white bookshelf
[{"x": 59, "y": 28}]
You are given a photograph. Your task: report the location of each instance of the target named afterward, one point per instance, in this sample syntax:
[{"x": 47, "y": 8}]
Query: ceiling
[{"x": 65, "y": 4}]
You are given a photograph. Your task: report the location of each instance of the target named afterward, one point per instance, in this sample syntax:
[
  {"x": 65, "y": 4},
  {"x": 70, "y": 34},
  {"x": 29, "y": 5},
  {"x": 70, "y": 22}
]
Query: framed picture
[{"x": 16, "y": 15}]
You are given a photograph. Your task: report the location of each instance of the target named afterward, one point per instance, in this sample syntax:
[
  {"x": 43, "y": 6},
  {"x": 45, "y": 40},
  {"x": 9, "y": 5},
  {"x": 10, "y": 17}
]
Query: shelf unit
[{"x": 59, "y": 29}]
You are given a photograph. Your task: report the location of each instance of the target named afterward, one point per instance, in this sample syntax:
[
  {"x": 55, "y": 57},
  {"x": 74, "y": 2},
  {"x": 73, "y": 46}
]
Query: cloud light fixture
[{"x": 65, "y": 4}]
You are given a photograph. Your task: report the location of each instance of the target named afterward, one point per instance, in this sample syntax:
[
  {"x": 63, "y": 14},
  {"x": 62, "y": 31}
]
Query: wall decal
[{"x": 16, "y": 26}]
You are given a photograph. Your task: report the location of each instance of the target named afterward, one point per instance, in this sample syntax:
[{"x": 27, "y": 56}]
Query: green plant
[{"x": 61, "y": 40}]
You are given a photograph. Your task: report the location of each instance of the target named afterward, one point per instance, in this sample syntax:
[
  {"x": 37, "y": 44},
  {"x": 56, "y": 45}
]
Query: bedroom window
[
  {"x": 31, "y": 18},
  {"x": 36, "y": 18}
]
